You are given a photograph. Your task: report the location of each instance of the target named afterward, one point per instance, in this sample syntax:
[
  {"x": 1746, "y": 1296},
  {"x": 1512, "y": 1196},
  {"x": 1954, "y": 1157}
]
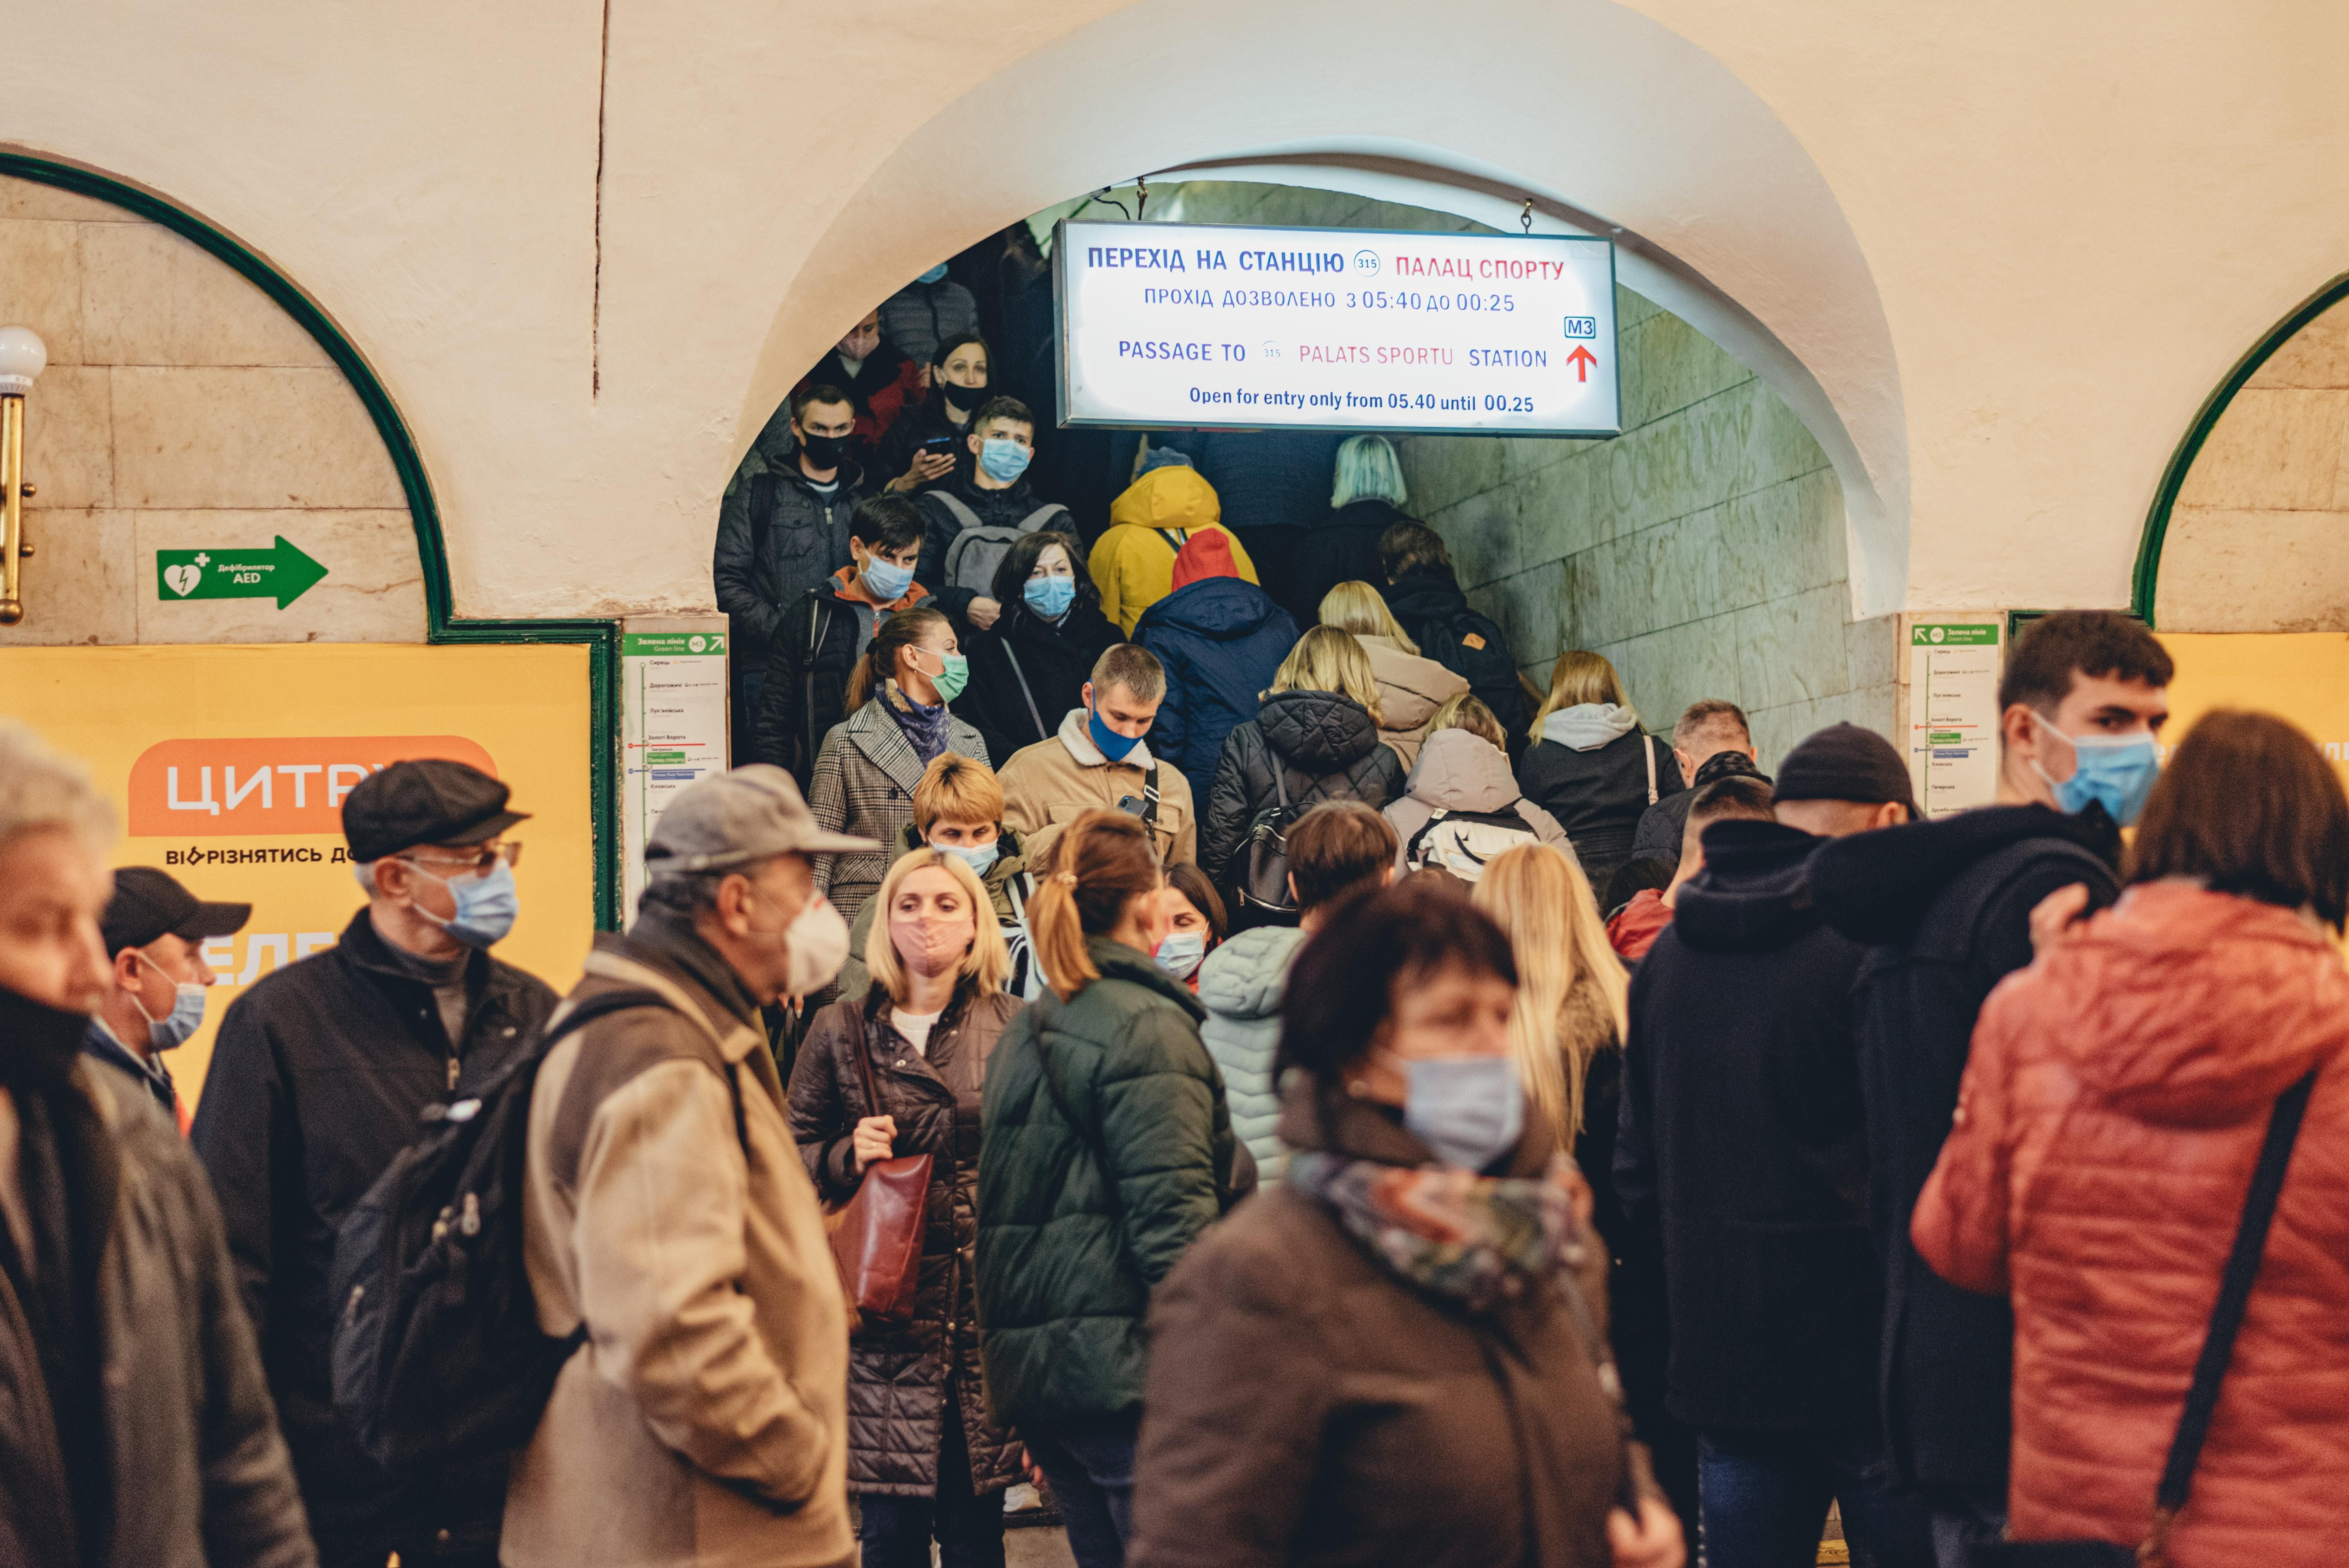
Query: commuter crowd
[{"x": 1218, "y": 1048}]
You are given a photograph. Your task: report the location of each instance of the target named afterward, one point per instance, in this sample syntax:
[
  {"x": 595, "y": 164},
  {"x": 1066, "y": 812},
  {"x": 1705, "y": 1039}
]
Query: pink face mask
[
  {"x": 929, "y": 945},
  {"x": 860, "y": 345}
]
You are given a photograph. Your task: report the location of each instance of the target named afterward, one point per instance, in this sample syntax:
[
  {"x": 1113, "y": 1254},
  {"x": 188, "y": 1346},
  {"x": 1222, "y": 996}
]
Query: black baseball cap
[
  {"x": 429, "y": 800},
  {"x": 149, "y": 903}
]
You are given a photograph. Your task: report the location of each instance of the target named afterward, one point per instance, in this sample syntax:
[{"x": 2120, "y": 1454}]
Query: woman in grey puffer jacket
[{"x": 1241, "y": 985}]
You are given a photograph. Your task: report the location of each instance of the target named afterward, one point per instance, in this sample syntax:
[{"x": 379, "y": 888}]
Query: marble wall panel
[
  {"x": 77, "y": 583},
  {"x": 150, "y": 297},
  {"x": 2316, "y": 356},
  {"x": 1792, "y": 649},
  {"x": 40, "y": 284},
  {"x": 69, "y": 437},
  {"x": 2275, "y": 449},
  {"x": 2224, "y": 569},
  {"x": 251, "y": 438}
]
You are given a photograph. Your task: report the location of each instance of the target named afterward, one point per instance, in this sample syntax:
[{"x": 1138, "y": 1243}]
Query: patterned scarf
[
  {"x": 1476, "y": 1239},
  {"x": 925, "y": 728}
]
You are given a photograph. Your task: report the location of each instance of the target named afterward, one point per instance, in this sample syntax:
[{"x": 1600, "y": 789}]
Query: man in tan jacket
[
  {"x": 703, "y": 1420},
  {"x": 1099, "y": 758}
]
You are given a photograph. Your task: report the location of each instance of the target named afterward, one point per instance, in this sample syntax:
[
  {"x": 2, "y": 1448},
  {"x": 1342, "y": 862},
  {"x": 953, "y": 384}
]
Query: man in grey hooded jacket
[{"x": 1336, "y": 851}]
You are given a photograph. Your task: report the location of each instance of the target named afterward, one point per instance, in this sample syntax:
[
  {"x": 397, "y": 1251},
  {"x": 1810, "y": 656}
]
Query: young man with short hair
[
  {"x": 1099, "y": 758},
  {"x": 990, "y": 491},
  {"x": 958, "y": 808},
  {"x": 1947, "y": 907},
  {"x": 1424, "y": 593},
  {"x": 1711, "y": 741},
  {"x": 1637, "y": 925},
  {"x": 823, "y": 634},
  {"x": 781, "y": 531},
  {"x": 154, "y": 931},
  {"x": 1742, "y": 1161},
  {"x": 1336, "y": 851}
]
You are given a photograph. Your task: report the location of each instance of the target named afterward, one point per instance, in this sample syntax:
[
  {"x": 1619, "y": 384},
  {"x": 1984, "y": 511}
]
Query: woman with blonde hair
[
  {"x": 1591, "y": 766},
  {"x": 1463, "y": 808},
  {"x": 1411, "y": 688},
  {"x": 1108, "y": 1150},
  {"x": 895, "y": 1071},
  {"x": 1316, "y": 738}
]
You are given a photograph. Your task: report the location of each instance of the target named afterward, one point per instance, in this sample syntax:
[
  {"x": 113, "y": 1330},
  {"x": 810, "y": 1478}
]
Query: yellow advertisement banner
[
  {"x": 229, "y": 766},
  {"x": 2299, "y": 675}
]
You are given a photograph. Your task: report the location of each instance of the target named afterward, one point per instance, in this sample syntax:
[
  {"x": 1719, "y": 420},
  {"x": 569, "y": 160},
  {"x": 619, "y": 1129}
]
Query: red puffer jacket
[{"x": 2112, "y": 1111}]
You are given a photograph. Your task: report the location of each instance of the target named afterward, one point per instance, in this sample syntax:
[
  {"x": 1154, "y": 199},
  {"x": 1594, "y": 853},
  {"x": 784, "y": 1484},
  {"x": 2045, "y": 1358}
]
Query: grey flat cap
[{"x": 731, "y": 818}]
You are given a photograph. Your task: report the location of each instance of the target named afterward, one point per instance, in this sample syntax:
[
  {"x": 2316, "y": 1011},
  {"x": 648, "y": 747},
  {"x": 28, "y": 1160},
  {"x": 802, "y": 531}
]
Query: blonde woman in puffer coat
[
  {"x": 1412, "y": 689},
  {"x": 2113, "y": 1107}
]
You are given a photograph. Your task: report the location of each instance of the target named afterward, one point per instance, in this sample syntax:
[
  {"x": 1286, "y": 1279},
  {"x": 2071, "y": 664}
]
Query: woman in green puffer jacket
[{"x": 1107, "y": 1151}]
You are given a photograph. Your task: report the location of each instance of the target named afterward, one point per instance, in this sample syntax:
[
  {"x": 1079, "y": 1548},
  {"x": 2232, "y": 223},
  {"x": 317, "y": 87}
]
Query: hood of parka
[
  {"x": 1460, "y": 770},
  {"x": 1875, "y": 887},
  {"x": 1318, "y": 731},
  {"x": 1754, "y": 894},
  {"x": 2190, "y": 1007}
]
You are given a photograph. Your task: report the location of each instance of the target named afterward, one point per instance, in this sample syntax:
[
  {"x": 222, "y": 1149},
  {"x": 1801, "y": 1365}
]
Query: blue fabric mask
[
  {"x": 2115, "y": 773},
  {"x": 935, "y": 274},
  {"x": 1470, "y": 1111},
  {"x": 978, "y": 857},
  {"x": 1049, "y": 596},
  {"x": 187, "y": 1014},
  {"x": 486, "y": 906},
  {"x": 1113, "y": 744},
  {"x": 886, "y": 581},
  {"x": 1182, "y": 952},
  {"x": 1002, "y": 458}
]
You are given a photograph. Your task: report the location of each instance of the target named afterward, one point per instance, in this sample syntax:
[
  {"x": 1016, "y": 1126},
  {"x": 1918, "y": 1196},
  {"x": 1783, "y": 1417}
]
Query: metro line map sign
[{"x": 1194, "y": 325}]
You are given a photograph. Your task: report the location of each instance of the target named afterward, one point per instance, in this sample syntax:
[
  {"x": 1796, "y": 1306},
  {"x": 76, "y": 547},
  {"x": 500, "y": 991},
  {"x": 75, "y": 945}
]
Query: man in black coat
[
  {"x": 1711, "y": 741},
  {"x": 781, "y": 531},
  {"x": 1742, "y": 1154},
  {"x": 1945, "y": 908},
  {"x": 322, "y": 1073},
  {"x": 1424, "y": 594}
]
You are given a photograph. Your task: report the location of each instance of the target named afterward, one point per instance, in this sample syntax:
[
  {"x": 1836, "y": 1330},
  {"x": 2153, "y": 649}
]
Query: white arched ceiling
[{"x": 1719, "y": 213}]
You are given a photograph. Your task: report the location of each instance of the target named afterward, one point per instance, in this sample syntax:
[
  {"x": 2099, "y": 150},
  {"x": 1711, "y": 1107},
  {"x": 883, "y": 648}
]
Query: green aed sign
[{"x": 281, "y": 573}]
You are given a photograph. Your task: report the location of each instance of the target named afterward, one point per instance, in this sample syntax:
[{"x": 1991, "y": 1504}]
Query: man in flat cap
[
  {"x": 666, "y": 1214},
  {"x": 154, "y": 931},
  {"x": 322, "y": 1073}
]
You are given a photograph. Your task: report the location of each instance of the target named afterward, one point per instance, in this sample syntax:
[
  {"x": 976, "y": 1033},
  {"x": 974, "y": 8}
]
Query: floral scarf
[
  {"x": 1475, "y": 1239},
  {"x": 923, "y": 725}
]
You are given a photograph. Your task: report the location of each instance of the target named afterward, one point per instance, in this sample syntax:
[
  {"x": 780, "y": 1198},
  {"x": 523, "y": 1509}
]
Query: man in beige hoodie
[{"x": 1099, "y": 758}]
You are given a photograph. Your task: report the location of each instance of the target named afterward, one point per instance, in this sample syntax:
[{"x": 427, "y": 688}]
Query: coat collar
[
  {"x": 1116, "y": 961},
  {"x": 1076, "y": 733},
  {"x": 876, "y": 734}
]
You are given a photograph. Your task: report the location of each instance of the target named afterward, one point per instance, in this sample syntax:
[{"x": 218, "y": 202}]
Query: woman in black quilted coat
[
  {"x": 1316, "y": 738},
  {"x": 896, "y": 1073}
]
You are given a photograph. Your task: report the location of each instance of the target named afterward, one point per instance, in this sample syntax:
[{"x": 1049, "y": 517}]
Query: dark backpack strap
[
  {"x": 1173, "y": 543},
  {"x": 2227, "y": 1316}
]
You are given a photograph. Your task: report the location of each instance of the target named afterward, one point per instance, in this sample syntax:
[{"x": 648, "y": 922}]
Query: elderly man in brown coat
[{"x": 703, "y": 1420}]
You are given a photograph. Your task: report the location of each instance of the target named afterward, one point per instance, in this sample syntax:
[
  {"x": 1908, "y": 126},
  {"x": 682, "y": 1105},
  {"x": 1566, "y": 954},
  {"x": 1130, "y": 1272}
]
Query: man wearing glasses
[{"x": 321, "y": 1075}]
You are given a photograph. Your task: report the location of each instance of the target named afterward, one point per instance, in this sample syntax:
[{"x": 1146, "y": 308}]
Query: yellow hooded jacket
[{"x": 1132, "y": 563}]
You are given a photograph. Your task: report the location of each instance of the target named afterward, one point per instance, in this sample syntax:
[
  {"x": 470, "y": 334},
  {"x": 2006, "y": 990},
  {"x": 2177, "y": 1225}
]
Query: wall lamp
[{"x": 23, "y": 358}]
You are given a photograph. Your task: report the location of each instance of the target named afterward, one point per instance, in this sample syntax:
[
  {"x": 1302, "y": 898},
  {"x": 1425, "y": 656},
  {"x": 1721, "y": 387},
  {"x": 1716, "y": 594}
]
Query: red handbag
[{"x": 876, "y": 1235}]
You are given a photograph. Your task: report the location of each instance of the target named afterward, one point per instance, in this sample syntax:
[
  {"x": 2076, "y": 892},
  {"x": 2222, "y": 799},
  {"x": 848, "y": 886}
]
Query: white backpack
[{"x": 1465, "y": 842}]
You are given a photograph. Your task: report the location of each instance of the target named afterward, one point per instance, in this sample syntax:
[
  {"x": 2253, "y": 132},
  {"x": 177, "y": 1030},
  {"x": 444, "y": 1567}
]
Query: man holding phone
[{"x": 926, "y": 442}]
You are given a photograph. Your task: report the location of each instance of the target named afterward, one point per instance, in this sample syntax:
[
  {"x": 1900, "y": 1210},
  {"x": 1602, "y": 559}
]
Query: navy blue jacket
[
  {"x": 1220, "y": 639},
  {"x": 1945, "y": 908}
]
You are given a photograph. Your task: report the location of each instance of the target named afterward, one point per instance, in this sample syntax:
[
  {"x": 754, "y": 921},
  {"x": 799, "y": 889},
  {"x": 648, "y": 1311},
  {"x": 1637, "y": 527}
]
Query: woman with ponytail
[
  {"x": 897, "y": 723},
  {"x": 1107, "y": 1151}
]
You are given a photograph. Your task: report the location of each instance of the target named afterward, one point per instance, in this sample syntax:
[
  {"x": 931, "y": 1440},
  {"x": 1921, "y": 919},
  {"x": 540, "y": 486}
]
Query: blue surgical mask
[
  {"x": 936, "y": 274},
  {"x": 978, "y": 857},
  {"x": 887, "y": 580},
  {"x": 2114, "y": 772},
  {"x": 1181, "y": 954},
  {"x": 1049, "y": 596},
  {"x": 1002, "y": 458},
  {"x": 1470, "y": 1111},
  {"x": 187, "y": 1014},
  {"x": 1113, "y": 744},
  {"x": 486, "y": 906}
]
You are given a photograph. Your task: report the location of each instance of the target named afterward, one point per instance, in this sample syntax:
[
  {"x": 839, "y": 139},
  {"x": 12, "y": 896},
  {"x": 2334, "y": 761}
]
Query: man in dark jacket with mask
[
  {"x": 1426, "y": 596},
  {"x": 137, "y": 1427},
  {"x": 1742, "y": 1155},
  {"x": 781, "y": 531},
  {"x": 1945, "y": 908},
  {"x": 321, "y": 1075}
]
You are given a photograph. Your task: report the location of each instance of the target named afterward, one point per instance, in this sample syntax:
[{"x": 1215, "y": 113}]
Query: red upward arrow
[{"x": 1582, "y": 359}]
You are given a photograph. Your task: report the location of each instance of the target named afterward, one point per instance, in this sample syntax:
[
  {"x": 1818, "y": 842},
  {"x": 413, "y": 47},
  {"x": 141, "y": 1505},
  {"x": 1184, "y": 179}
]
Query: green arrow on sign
[{"x": 281, "y": 573}]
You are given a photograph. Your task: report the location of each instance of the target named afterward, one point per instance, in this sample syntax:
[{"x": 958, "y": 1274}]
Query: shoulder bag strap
[
  {"x": 961, "y": 510},
  {"x": 2227, "y": 1316},
  {"x": 1150, "y": 795},
  {"x": 1649, "y": 748},
  {"x": 1021, "y": 677},
  {"x": 1174, "y": 543}
]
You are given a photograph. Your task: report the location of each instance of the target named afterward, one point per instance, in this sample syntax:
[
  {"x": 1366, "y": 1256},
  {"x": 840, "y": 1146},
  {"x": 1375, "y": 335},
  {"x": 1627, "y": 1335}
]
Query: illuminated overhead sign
[{"x": 1176, "y": 326}]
